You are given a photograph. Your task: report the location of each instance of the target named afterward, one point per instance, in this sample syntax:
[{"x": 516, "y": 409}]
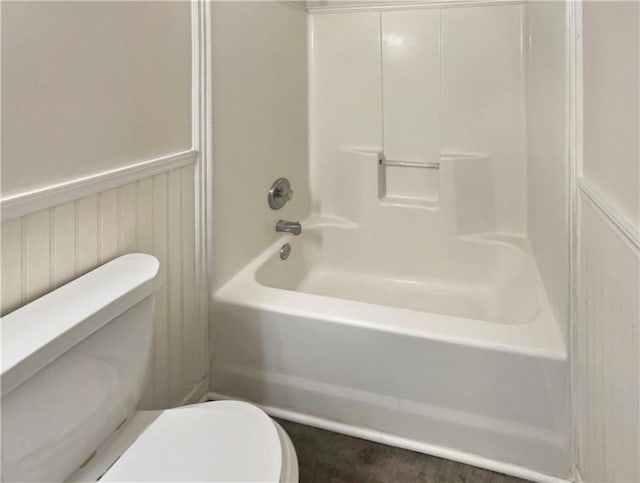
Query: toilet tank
[{"x": 73, "y": 368}]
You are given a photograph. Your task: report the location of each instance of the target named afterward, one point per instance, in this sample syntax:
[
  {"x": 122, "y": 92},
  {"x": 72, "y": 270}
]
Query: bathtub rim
[{"x": 539, "y": 337}]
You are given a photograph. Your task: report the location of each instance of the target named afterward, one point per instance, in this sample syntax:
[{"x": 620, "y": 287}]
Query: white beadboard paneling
[
  {"x": 11, "y": 265},
  {"x": 37, "y": 262},
  {"x": 160, "y": 250},
  {"x": 193, "y": 341},
  {"x": 607, "y": 350},
  {"x": 144, "y": 213},
  {"x": 154, "y": 215},
  {"x": 144, "y": 234},
  {"x": 87, "y": 233},
  {"x": 64, "y": 243},
  {"x": 174, "y": 273},
  {"x": 127, "y": 226},
  {"x": 108, "y": 223}
]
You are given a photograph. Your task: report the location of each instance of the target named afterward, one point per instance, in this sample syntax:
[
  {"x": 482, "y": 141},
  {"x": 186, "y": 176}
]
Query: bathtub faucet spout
[{"x": 293, "y": 227}]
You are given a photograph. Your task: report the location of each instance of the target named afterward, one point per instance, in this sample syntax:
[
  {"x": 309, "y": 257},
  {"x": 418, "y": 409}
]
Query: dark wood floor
[{"x": 326, "y": 457}]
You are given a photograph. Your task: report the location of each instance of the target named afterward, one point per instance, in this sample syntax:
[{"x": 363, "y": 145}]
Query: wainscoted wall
[
  {"x": 99, "y": 103},
  {"x": 47, "y": 248},
  {"x": 606, "y": 326},
  {"x": 607, "y": 350}
]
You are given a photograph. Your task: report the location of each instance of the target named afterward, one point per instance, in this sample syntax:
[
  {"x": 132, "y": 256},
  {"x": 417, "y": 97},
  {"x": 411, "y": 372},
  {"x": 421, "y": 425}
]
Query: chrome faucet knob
[{"x": 279, "y": 193}]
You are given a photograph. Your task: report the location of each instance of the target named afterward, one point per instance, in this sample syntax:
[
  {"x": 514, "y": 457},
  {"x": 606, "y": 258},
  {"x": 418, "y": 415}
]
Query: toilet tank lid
[{"x": 39, "y": 332}]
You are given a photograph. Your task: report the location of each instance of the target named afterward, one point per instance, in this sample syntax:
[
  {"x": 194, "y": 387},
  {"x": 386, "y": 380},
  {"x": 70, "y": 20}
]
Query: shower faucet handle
[
  {"x": 279, "y": 193},
  {"x": 286, "y": 193}
]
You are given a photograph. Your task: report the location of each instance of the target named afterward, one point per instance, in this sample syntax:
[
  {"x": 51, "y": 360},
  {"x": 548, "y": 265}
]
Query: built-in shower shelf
[
  {"x": 409, "y": 164},
  {"x": 449, "y": 156},
  {"x": 465, "y": 178},
  {"x": 419, "y": 183},
  {"x": 445, "y": 157},
  {"x": 409, "y": 201}
]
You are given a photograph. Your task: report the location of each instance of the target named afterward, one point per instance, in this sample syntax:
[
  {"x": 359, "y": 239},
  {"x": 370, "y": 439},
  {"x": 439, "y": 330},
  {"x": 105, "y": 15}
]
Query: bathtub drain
[{"x": 285, "y": 251}]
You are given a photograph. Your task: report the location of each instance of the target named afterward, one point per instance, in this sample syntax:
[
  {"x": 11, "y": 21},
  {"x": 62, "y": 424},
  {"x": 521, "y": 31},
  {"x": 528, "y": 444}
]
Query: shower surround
[{"x": 411, "y": 311}]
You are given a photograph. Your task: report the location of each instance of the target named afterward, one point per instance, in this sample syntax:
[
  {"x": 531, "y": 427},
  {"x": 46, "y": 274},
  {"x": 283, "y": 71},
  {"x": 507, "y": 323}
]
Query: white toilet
[{"x": 73, "y": 367}]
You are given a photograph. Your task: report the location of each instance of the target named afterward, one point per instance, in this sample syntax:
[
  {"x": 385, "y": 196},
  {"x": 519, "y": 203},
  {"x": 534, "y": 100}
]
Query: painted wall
[
  {"x": 417, "y": 83},
  {"x": 606, "y": 333},
  {"x": 89, "y": 86},
  {"x": 547, "y": 150},
  {"x": 259, "y": 74},
  {"x": 611, "y": 97}
]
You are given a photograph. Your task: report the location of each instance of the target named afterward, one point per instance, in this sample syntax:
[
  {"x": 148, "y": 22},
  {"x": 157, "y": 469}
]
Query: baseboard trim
[
  {"x": 399, "y": 442},
  {"x": 20, "y": 204}
]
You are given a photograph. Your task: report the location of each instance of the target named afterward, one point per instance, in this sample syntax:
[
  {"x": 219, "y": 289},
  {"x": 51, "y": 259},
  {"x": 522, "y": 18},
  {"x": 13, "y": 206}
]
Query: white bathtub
[{"x": 454, "y": 352}]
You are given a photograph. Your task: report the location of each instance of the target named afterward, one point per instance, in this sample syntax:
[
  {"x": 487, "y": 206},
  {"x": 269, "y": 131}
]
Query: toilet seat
[{"x": 215, "y": 441}]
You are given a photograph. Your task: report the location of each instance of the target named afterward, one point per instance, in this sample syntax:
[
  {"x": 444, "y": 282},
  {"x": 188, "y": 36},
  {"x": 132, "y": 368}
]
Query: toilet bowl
[
  {"x": 73, "y": 367},
  {"x": 212, "y": 441}
]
